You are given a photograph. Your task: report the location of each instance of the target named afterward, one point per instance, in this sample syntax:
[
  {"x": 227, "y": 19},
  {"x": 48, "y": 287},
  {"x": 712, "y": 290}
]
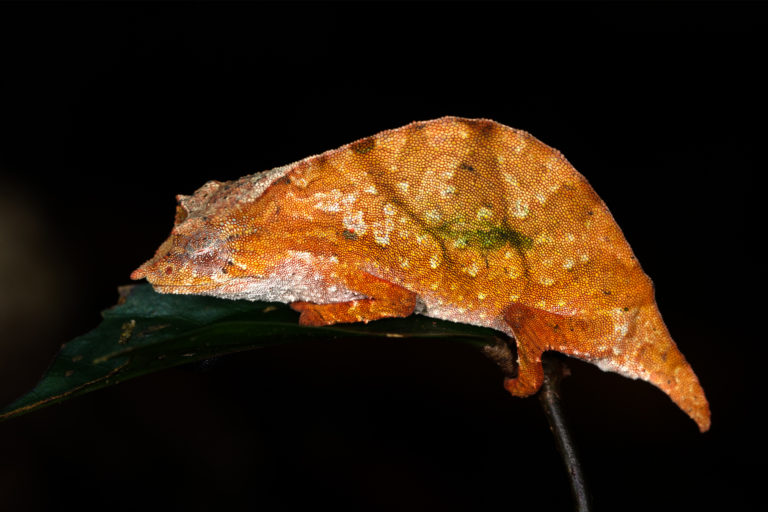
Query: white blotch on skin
[
  {"x": 520, "y": 209},
  {"x": 389, "y": 209},
  {"x": 547, "y": 281},
  {"x": 403, "y": 186},
  {"x": 381, "y": 231},
  {"x": 484, "y": 213},
  {"x": 448, "y": 191},
  {"x": 354, "y": 222},
  {"x": 434, "y": 261},
  {"x": 568, "y": 264},
  {"x": 328, "y": 202},
  {"x": 432, "y": 215}
]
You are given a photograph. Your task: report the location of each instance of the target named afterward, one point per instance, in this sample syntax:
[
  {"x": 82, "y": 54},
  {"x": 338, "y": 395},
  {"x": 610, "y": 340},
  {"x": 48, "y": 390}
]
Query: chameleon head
[
  {"x": 196, "y": 255},
  {"x": 192, "y": 260},
  {"x": 217, "y": 243}
]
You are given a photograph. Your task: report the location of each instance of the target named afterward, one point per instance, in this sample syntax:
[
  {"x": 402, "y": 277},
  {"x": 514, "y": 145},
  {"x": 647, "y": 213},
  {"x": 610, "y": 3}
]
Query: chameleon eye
[{"x": 200, "y": 242}]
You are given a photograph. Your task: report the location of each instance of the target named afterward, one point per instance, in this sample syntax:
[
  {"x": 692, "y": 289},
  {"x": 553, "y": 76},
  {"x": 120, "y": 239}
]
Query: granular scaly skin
[{"x": 465, "y": 220}]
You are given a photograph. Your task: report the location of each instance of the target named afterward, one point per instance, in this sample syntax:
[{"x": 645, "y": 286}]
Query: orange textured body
[{"x": 460, "y": 219}]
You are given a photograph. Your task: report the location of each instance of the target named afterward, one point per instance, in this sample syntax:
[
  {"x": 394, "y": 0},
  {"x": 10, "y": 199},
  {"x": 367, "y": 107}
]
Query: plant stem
[{"x": 549, "y": 397}]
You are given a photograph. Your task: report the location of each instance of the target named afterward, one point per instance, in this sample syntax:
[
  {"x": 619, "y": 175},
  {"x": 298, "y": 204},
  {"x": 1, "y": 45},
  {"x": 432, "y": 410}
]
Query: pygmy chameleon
[{"x": 465, "y": 220}]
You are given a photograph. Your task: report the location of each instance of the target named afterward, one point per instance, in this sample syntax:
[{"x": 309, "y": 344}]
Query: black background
[{"x": 109, "y": 110}]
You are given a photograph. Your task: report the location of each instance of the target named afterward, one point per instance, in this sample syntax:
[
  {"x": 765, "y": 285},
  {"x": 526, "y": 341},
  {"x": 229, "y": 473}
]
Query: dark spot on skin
[
  {"x": 664, "y": 356},
  {"x": 555, "y": 327},
  {"x": 181, "y": 214},
  {"x": 590, "y": 212},
  {"x": 607, "y": 292},
  {"x": 363, "y": 146},
  {"x": 490, "y": 238},
  {"x": 467, "y": 167},
  {"x": 512, "y": 237},
  {"x": 284, "y": 180},
  {"x": 625, "y": 309},
  {"x": 168, "y": 270},
  {"x": 349, "y": 235}
]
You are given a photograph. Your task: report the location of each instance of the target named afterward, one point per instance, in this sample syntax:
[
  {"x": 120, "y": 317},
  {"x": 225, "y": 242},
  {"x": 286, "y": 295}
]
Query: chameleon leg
[
  {"x": 530, "y": 374},
  {"x": 537, "y": 331},
  {"x": 385, "y": 300}
]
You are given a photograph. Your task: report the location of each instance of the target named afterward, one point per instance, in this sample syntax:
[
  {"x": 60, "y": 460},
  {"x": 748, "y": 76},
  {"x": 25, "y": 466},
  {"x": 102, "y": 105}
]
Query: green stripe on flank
[{"x": 490, "y": 238}]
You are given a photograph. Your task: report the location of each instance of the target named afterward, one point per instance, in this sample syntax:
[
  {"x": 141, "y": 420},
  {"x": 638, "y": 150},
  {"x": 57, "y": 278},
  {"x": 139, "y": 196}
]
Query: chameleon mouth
[
  {"x": 180, "y": 289},
  {"x": 167, "y": 281}
]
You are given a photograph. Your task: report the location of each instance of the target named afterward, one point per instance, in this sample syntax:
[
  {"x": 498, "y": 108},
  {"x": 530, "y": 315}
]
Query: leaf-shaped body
[{"x": 459, "y": 219}]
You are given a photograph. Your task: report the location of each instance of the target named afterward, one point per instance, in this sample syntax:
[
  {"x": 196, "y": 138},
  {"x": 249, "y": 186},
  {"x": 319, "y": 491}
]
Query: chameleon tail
[{"x": 636, "y": 345}]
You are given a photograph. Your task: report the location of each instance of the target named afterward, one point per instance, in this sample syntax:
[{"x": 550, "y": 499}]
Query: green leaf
[{"x": 149, "y": 331}]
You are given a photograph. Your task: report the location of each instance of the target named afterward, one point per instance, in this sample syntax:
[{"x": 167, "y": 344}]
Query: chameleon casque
[{"x": 465, "y": 220}]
